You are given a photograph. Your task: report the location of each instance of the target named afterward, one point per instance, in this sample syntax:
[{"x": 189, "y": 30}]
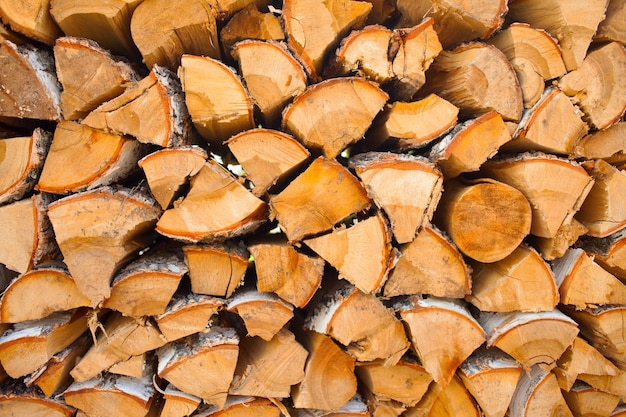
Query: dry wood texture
[{"x": 312, "y": 208}]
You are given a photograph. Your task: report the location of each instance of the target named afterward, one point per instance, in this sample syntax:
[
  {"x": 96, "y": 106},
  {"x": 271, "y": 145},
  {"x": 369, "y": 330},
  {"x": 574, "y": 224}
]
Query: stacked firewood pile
[{"x": 313, "y": 208}]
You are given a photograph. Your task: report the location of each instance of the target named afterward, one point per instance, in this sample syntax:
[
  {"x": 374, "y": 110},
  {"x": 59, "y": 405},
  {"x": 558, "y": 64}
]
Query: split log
[
  {"x": 584, "y": 400},
  {"x": 555, "y": 247},
  {"x": 186, "y": 315},
  {"x": 135, "y": 366},
  {"x": 612, "y": 384},
  {"x": 453, "y": 400},
  {"x": 82, "y": 158},
  {"x": 242, "y": 405},
  {"x": 607, "y": 144},
  {"x": 30, "y": 88},
  {"x": 177, "y": 403},
  {"x": 250, "y": 23},
  {"x": 486, "y": 219},
  {"x": 18, "y": 401},
  {"x": 263, "y": 314},
  {"x": 19, "y": 172},
  {"x": 381, "y": 408},
  {"x": 31, "y": 18},
  {"x": 89, "y": 75},
  {"x": 327, "y": 125},
  {"x": 538, "y": 394},
  {"x": 610, "y": 252},
  {"x": 612, "y": 28}
]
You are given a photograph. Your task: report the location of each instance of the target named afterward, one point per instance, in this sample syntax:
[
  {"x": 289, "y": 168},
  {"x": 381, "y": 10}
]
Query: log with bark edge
[
  {"x": 186, "y": 315},
  {"x": 135, "y": 366},
  {"x": 453, "y": 400},
  {"x": 250, "y": 23},
  {"x": 31, "y": 18},
  {"x": 583, "y": 400},
  {"x": 19, "y": 401},
  {"x": 555, "y": 247},
  {"x": 607, "y": 144},
  {"x": 237, "y": 405},
  {"x": 609, "y": 252},
  {"x": 538, "y": 394},
  {"x": 177, "y": 403},
  {"x": 264, "y": 314}
]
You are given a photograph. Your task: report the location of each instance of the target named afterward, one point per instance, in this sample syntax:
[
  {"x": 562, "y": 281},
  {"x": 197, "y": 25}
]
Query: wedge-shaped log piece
[
  {"x": 613, "y": 27},
  {"x": 217, "y": 207},
  {"x": 490, "y": 376},
  {"x": 412, "y": 125},
  {"x": 218, "y": 103},
  {"x": 216, "y": 269},
  {"x": 555, "y": 247},
  {"x": 164, "y": 31},
  {"x": 169, "y": 170},
  {"x": 361, "y": 323},
  {"x": 470, "y": 144},
  {"x": 613, "y": 384},
  {"x": 40, "y": 292},
  {"x": 522, "y": 281},
  {"x": 538, "y": 394},
  {"x": 269, "y": 368},
  {"x": 430, "y": 264},
  {"x": 329, "y": 381},
  {"x": 595, "y": 85},
  {"x": 452, "y": 400},
  {"x": 121, "y": 338},
  {"x": 531, "y": 338},
  {"x": 326, "y": 124},
  {"x": 112, "y": 395},
  {"x": 607, "y": 144},
  {"x": 406, "y": 187},
  {"x": 177, "y": 403},
  {"x": 21, "y": 161},
  {"x": 441, "y": 319},
  {"x": 152, "y": 110},
  {"x": 272, "y": 75},
  {"x": 377, "y": 407},
  {"x": 405, "y": 382},
  {"x": 362, "y": 253},
  {"x": 584, "y": 400},
  {"x": 203, "y": 364},
  {"x": 267, "y": 156},
  {"x": 89, "y": 74},
  {"x": 82, "y": 158},
  {"x": 237, "y": 405},
  {"x": 486, "y": 219},
  {"x": 98, "y": 231},
  {"x": 263, "y": 314},
  {"x": 28, "y": 239},
  {"x": 135, "y": 366},
  {"x": 535, "y": 56},
  {"x": 611, "y": 253},
  {"x": 573, "y": 23},
  {"x": 227, "y": 8},
  {"x": 308, "y": 206},
  {"x": 30, "y": 88},
  {"x": 314, "y": 29},
  {"x": 477, "y": 78},
  {"x": 19, "y": 402},
  {"x": 31, "y": 18},
  {"x": 146, "y": 286},
  {"x": 602, "y": 212},
  {"x": 27, "y": 346},
  {"x": 186, "y": 315},
  {"x": 250, "y": 23},
  {"x": 539, "y": 178},
  {"x": 553, "y": 124}
]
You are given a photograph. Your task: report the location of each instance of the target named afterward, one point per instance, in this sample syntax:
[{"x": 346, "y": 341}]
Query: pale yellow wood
[
  {"x": 555, "y": 247},
  {"x": 453, "y": 400},
  {"x": 538, "y": 394},
  {"x": 31, "y": 18},
  {"x": 178, "y": 403},
  {"x": 584, "y": 401},
  {"x": 250, "y": 23},
  {"x": 263, "y": 314},
  {"x": 187, "y": 315},
  {"x": 26, "y": 405},
  {"x": 134, "y": 367},
  {"x": 608, "y": 144},
  {"x": 613, "y": 258},
  {"x": 214, "y": 269},
  {"x": 613, "y": 27}
]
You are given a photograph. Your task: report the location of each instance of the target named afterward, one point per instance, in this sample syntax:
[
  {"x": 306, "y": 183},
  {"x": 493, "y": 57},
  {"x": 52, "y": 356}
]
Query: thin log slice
[
  {"x": 186, "y": 315},
  {"x": 538, "y": 394},
  {"x": 613, "y": 384},
  {"x": 31, "y": 18},
  {"x": 250, "y": 23},
  {"x": 20, "y": 402},
  {"x": 177, "y": 403},
  {"x": 263, "y": 314},
  {"x": 607, "y": 144}
]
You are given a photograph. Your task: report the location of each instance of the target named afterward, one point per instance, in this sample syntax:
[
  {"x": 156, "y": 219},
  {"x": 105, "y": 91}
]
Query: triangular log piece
[
  {"x": 40, "y": 292},
  {"x": 89, "y": 75},
  {"x": 20, "y": 171},
  {"x": 531, "y": 338},
  {"x": 263, "y": 313},
  {"x": 535, "y": 56},
  {"x": 27, "y": 65},
  {"x": 238, "y": 406},
  {"x": 177, "y": 403},
  {"x": 216, "y": 269},
  {"x": 539, "y": 177},
  {"x": 522, "y": 281},
  {"x": 611, "y": 254},
  {"x": 538, "y": 394},
  {"x": 225, "y": 9},
  {"x": 553, "y": 124},
  {"x": 381, "y": 408},
  {"x": 405, "y": 382},
  {"x": 329, "y": 381},
  {"x": 361, "y": 323},
  {"x": 218, "y": 102},
  {"x": 584, "y": 400},
  {"x": 99, "y": 230},
  {"x": 269, "y": 368},
  {"x": 314, "y": 29},
  {"x": 28, "y": 238},
  {"x": 608, "y": 144},
  {"x": 19, "y": 401},
  {"x": 362, "y": 253},
  {"x": 555, "y": 247},
  {"x": 327, "y": 125},
  {"x": 440, "y": 319},
  {"x": 490, "y": 376},
  {"x": 272, "y": 75},
  {"x": 135, "y": 366},
  {"x": 406, "y": 187},
  {"x": 595, "y": 86},
  {"x": 217, "y": 207},
  {"x": 186, "y": 315},
  {"x": 163, "y": 31},
  {"x": 250, "y": 23},
  {"x": 152, "y": 110},
  {"x": 355, "y": 407},
  {"x": 453, "y": 400},
  {"x": 202, "y": 364},
  {"x": 107, "y": 24},
  {"x": 613, "y": 27},
  {"x": 169, "y": 170},
  {"x": 31, "y": 18},
  {"x": 82, "y": 158},
  {"x": 613, "y": 384},
  {"x": 456, "y": 75},
  {"x": 27, "y": 346},
  {"x": 267, "y": 156},
  {"x": 121, "y": 337},
  {"x": 145, "y": 286},
  {"x": 486, "y": 219},
  {"x": 308, "y": 205},
  {"x": 573, "y": 24}
]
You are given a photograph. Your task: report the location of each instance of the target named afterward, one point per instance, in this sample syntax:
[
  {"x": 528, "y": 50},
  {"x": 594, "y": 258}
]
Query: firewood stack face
[{"x": 313, "y": 208}]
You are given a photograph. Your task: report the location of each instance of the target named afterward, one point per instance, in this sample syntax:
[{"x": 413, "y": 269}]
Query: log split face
[{"x": 312, "y": 208}]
